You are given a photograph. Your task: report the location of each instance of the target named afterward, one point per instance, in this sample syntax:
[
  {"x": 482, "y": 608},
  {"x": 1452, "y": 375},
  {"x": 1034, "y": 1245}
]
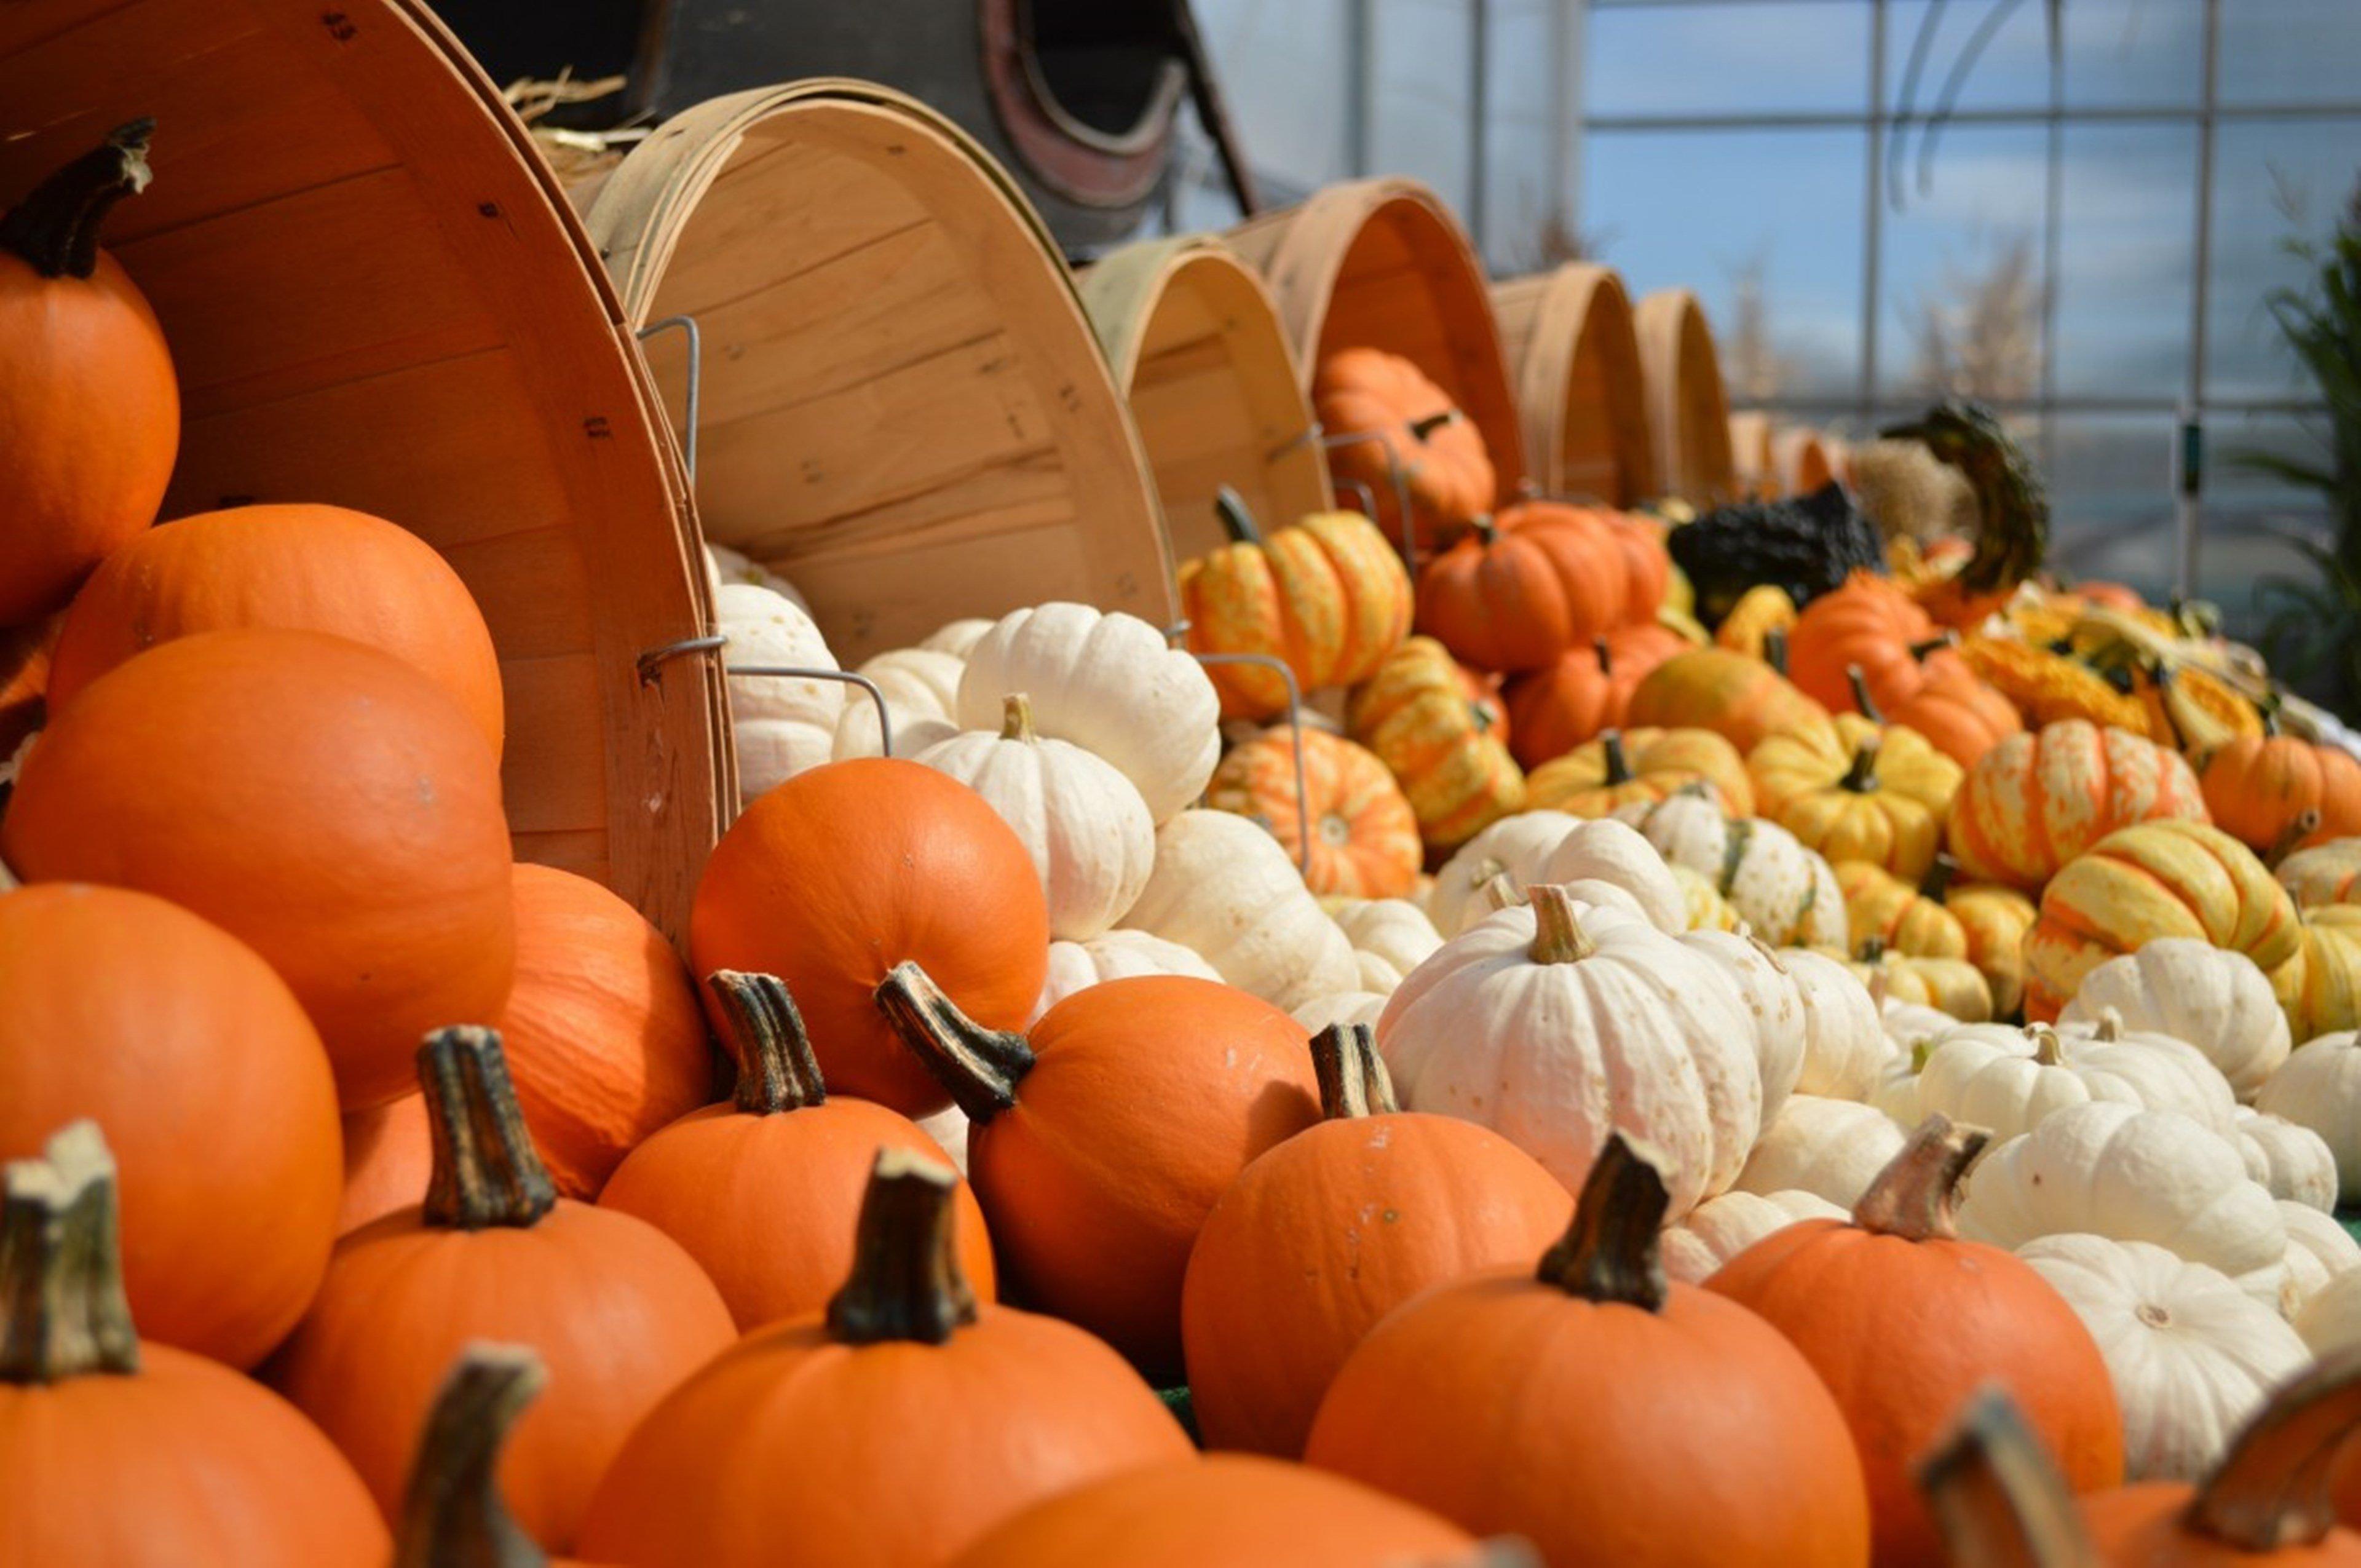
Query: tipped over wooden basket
[
  {"x": 1688, "y": 412},
  {"x": 1576, "y": 360}
]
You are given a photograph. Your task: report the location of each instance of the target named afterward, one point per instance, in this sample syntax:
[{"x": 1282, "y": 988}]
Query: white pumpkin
[
  {"x": 1556, "y": 1024},
  {"x": 1773, "y": 1003},
  {"x": 2132, "y": 1175},
  {"x": 1513, "y": 847},
  {"x": 782, "y": 727},
  {"x": 2320, "y": 875},
  {"x": 2319, "y": 1086},
  {"x": 957, "y": 638},
  {"x": 1846, "y": 1047},
  {"x": 2319, "y": 1249},
  {"x": 1109, "y": 683},
  {"x": 1391, "y": 936},
  {"x": 2292, "y": 1162},
  {"x": 2217, "y": 1000},
  {"x": 1223, "y": 888},
  {"x": 1611, "y": 852},
  {"x": 1113, "y": 955},
  {"x": 725, "y": 566},
  {"x": 2331, "y": 1319},
  {"x": 1785, "y": 891},
  {"x": 1896, "y": 1093},
  {"x": 1910, "y": 1025},
  {"x": 1344, "y": 1007},
  {"x": 1709, "y": 911},
  {"x": 1833, "y": 1148},
  {"x": 2191, "y": 1355},
  {"x": 2008, "y": 1080},
  {"x": 1720, "y": 1228},
  {"x": 921, "y": 689}
]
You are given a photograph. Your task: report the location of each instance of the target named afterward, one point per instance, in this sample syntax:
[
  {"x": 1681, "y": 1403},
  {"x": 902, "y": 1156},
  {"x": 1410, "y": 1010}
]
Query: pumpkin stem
[
  {"x": 1774, "y": 649},
  {"x": 63, "y": 1313},
  {"x": 2271, "y": 1491},
  {"x": 1918, "y": 651},
  {"x": 2110, "y": 1026},
  {"x": 1558, "y": 937},
  {"x": 981, "y": 1068},
  {"x": 2303, "y": 825},
  {"x": 776, "y": 1070},
  {"x": 1859, "y": 684},
  {"x": 453, "y": 1514},
  {"x": 1619, "y": 766},
  {"x": 55, "y": 229},
  {"x": 1873, "y": 948},
  {"x": 1238, "y": 520},
  {"x": 1422, "y": 428},
  {"x": 1997, "y": 1498},
  {"x": 1936, "y": 883},
  {"x": 905, "y": 1282},
  {"x": 1610, "y": 1250},
  {"x": 1606, "y": 657},
  {"x": 2048, "y": 1050},
  {"x": 1913, "y": 1196},
  {"x": 1861, "y": 777},
  {"x": 1353, "y": 1078},
  {"x": 1016, "y": 718},
  {"x": 487, "y": 1171},
  {"x": 1487, "y": 531},
  {"x": 1502, "y": 892}
]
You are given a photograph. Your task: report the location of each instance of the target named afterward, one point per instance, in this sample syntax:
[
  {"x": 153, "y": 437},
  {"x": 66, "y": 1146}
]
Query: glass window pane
[
  {"x": 1767, "y": 216},
  {"x": 2274, "y": 182},
  {"x": 1279, "y": 71},
  {"x": 2110, "y": 499},
  {"x": 2243, "y": 549},
  {"x": 2010, "y": 72},
  {"x": 2126, "y": 258},
  {"x": 1522, "y": 206},
  {"x": 1961, "y": 287},
  {"x": 2290, "y": 52},
  {"x": 1419, "y": 118},
  {"x": 1754, "y": 57},
  {"x": 2135, "y": 52}
]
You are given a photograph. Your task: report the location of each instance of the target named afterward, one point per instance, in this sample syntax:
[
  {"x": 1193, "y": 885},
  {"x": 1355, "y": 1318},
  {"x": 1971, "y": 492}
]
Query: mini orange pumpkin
[
  {"x": 1411, "y": 429},
  {"x": 1364, "y": 840},
  {"x": 1868, "y": 622},
  {"x": 2259, "y": 787},
  {"x": 1443, "y": 735},
  {"x": 1633, "y": 767},
  {"x": 1958, "y": 714},
  {"x": 1740, "y": 700},
  {"x": 1585, "y": 691},
  {"x": 1542, "y": 579}
]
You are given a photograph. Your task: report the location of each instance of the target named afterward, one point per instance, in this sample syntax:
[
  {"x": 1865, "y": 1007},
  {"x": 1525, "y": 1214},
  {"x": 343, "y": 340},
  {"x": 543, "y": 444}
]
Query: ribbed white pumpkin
[
  {"x": 2217, "y": 1000},
  {"x": 2191, "y": 1356},
  {"x": 2115, "y": 1170},
  {"x": 782, "y": 727},
  {"x": 1774, "y": 1004},
  {"x": 725, "y": 566},
  {"x": 1113, "y": 955},
  {"x": 957, "y": 638},
  {"x": 1785, "y": 891},
  {"x": 1896, "y": 1093},
  {"x": 1109, "y": 683},
  {"x": 1910, "y": 1025},
  {"x": 1555, "y": 1024},
  {"x": 1344, "y": 1007},
  {"x": 1609, "y": 851},
  {"x": 1720, "y": 1228},
  {"x": 2319, "y": 1249},
  {"x": 2319, "y": 1086},
  {"x": 2292, "y": 1162},
  {"x": 1391, "y": 936},
  {"x": 1846, "y": 1046},
  {"x": 2331, "y": 1319},
  {"x": 1832, "y": 1148},
  {"x": 2009, "y": 1080},
  {"x": 921, "y": 689},
  {"x": 1223, "y": 888},
  {"x": 1085, "y": 827},
  {"x": 1513, "y": 847}
]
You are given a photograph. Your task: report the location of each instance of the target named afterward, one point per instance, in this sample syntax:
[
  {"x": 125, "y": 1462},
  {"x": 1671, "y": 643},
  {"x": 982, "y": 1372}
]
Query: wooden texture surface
[
  {"x": 1568, "y": 336},
  {"x": 1687, "y": 411}
]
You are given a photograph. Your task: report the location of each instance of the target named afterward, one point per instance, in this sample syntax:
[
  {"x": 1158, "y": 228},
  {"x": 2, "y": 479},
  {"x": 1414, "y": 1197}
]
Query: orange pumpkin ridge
[{"x": 1517, "y": 590}]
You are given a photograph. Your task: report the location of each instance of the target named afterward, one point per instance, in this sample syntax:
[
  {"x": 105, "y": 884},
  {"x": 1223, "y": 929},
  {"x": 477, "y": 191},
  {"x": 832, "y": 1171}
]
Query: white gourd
[
  {"x": 2317, "y": 876},
  {"x": 1107, "y": 683},
  {"x": 1773, "y": 1003},
  {"x": 2292, "y": 1162},
  {"x": 1787, "y": 892},
  {"x": 1513, "y": 847},
  {"x": 2331, "y": 1319},
  {"x": 1084, "y": 825},
  {"x": 1833, "y": 1148},
  {"x": 2319, "y": 1086},
  {"x": 1896, "y": 1093},
  {"x": 725, "y": 566},
  {"x": 1846, "y": 1047},
  {"x": 957, "y": 638},
  {"x": 2008, "y": 1080},
  {"x": 2215, "y": 999},
  {"x": 921, "y": 689},
  {"x": 1610, "y": 851},
  {"x": 1391, "y": 936},
  {"x": 1344, "y": 1007},
  {"x": 1720, "y": 1228},
  {"x": 1556, "y": 1024},
  {"x": 782, "y": 727},
  {"x": 1222, "y": 888},
  {"x": 2319, "y": 1249},
  {"x": 2191, "y": 1356},
  {"x": 1910, "y": 1025},
  {"x": 1113, "y": 955}
]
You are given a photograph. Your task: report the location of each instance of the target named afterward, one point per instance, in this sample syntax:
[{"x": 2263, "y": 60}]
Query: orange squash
[
  {"x": 2260, "y": 787},
  {"x": 1578, "y": 1404},
  {"x": 1958, "y": 714},
  {"x": 825, "y": 1439},
  {"x": 1633, "y": 767},
  {"x": 89, "y": 411},
  {"x": 304, "y": 568},
  {"x": 1850, "y": 1295},
  {"x": 1586, "y": 690},
  {"x": 618, "y": 1312},
  {"x": 192, "y": 1054},
  {"x": 1289, "y": 1273},
  {"x": 838, "y": 874},
  {"x": 1868, "y": 622},
  {"x": 1443, "y": 735},
  {"x": 1740, "y": 700},
  {"x": 1412, "y": 431},
  {"x": 1103, "y": 1139},
  {"x": 1365, "y": 837},
  {"x": 116, "y": 1450},
  {"x": 763, "y": 1190},
  {"x": 1542, "y": 579},
  {"x": 320, "y": 800},
  {"x": 2036, "y": 801}
]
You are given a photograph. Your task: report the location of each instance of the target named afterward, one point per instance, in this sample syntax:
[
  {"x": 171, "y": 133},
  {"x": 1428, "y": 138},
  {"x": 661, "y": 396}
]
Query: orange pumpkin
[
  {"x": 1633, "y": 767},
  {"x": 1443, "y": 736},
  {"x": 1959, "y": 715},
  {"x": 87, "y": 398},
  {"x": 1738, "y": 698},
  {"x": 1103, "y": 1139},
  {"x": 838, "y": 874},
  {"x": 389, "y": 1158},
  {"x": 603, "y": 1031},
  {"x": 618, "y": 1312},
  {"x": 763, "y": 1190},
  {"x": 1585, "y": 690},
  {"x": 2259, "y": 787},
  {"x": 116, "y": 1450},
  {"x": 1868, "y": 622},
  {"x": 2036, "y": 801},
  {"x": 1412, "y": 430},
  {"x": 1365, "y": 841},
  {"x": 320, "y": 800},
  {"x": 305, "y": 568},
  {"x": 1846, "y": 1295},
  {"x": 1516, "y": 591},
  {"x": 825, "y": 1439},
  {"x": 1578, "y": 1404},
  {"x": 1289, "y": 1273},
  {"x": 193, "y": 1055},
  {"x": 1328, "y": 598}
]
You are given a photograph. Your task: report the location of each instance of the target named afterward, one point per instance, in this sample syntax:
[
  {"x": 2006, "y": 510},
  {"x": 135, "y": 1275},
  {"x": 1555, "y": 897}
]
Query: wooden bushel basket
[
  {"x": 901, "y": 408},
  {"x": 377, "y": 297},
  {"x": 1383, "y": 264},
  {"x": 1569, "y": 340},
  {"x": 1688, "y": 409},
  {"x": 1802, "y": 460},
  {"x": 1197, "y": 349}
]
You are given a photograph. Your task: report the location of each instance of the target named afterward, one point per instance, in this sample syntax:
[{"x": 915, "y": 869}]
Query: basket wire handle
[
  {"x": 686, "y": 326},
  {"x": 1294, "y": 738},
  {"x": 842, "y": 678}
]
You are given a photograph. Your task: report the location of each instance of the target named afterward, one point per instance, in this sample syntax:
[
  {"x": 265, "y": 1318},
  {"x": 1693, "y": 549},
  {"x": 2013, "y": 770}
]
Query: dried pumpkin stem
[
  {"x": 1353, "y": 1076},
  {"x": 1871, "y": 950},
  {"x": 1860, "y": 699},
  {"x": 55, "y": 229},
  {"x": 1914, "y": 1195},
  {"x": 2048, "y": 1048},
  {"x": 2110, "y": 1026},
  {"x": 2304, "y": 824},
  {"x": 905, "y": 1282},
  {"x": 1861, "y": 777},
  {"x": 1936, "y": 883},
  {"x": 776, "y": 1070},
  {"x": 1610, "y": 1250},
  {"x": 62, "y": 1312},
  {"x": 979, "y": 1068},
  {"x": 487, "y": 1171},
  {"x": 1774, "y": 649},
  {"x": 1919, "y": 651},
  {"x": 1422, "y": 428},
  {"x": 1605, "y": 655},
  {"x": 1996, "y": 1498},
  {"x": 453, "y": 1514},
  {"x": 2272, "y": 1490},
  {"x": 1619, "y": 766},
  {"x": 1016, "y": 718},
  {"x": 1558, "y": 937},
  {"x": 1502, "y": 892},
  {"x": 1237, "y": 518}
]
